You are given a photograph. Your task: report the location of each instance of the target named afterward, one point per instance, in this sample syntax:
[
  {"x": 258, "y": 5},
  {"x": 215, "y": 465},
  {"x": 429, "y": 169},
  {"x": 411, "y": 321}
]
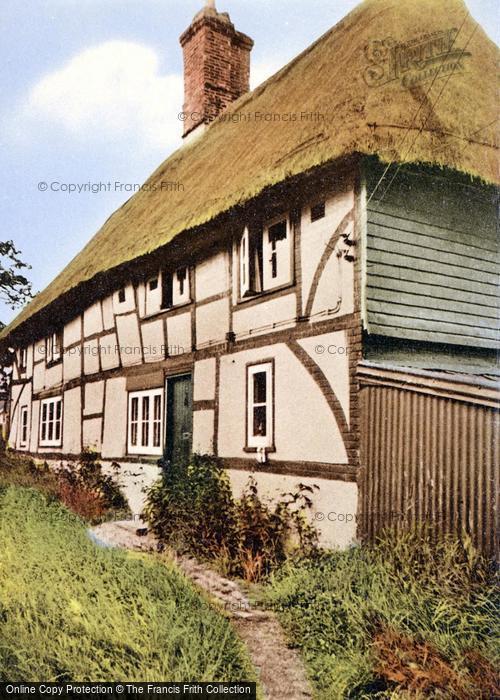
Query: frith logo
[{"x": 414, "y": 61}]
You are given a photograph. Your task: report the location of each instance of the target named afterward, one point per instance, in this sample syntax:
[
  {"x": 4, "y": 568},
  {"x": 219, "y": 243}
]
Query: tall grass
[
  {"x": 407, "y": 617},
  {"x": 71, "y": 611}
]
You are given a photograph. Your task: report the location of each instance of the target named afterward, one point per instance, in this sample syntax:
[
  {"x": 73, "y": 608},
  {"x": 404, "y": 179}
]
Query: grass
[
  {"x": 407, "y": 617},
  {"x": 71, "y": 611}
]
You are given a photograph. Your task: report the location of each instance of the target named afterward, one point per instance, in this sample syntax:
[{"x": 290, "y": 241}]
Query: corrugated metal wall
[{"x": 428, "y": 458}]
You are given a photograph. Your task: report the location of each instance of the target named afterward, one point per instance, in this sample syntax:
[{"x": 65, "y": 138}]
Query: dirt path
[{"x": 280, "y": 668}]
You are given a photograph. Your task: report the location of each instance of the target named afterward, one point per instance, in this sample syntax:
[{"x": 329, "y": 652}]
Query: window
[
  {"x": 53, "y": 348},
  {"x": 23, "y": 428},
  {"x": 317, "y": 211},
  {"x": 145, "y": 424},
  {"x": 23, "y": 359},
  {"x": 260, "y": 405},
  {"x": 51, "y": 422},
  {"x": 265, "y": 258},
  {"x": 175, "y": 288},
  {"x": 122, "y": 296}
]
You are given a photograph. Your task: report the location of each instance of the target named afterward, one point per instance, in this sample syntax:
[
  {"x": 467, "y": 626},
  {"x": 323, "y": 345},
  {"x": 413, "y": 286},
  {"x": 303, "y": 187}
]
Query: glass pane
[
  {"x": 134, "y": 412},
  {"x": 51, "y": 411},
  {"x": 145, "y": 421},
  {"x": 259, "y": 421},
  {"x": 57, "y": 430},
  {"x": 133, "y": 434},
  {"x": 157, "y": 407},
  {"x": 260, "y": 387},
  {"x": 50, "y": 432},
  {"x": 58, "y": 410},
  {"x": 44, "y": 412}
]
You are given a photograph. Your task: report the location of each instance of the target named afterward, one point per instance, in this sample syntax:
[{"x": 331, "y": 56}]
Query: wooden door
[{"x": 179, "y": 443}]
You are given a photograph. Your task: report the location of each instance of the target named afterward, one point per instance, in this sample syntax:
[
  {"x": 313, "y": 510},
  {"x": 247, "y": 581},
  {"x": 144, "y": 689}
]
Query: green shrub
[
  {"x": 192, "y": 509},
  {"x": 409, "y": 616},
  {"x": 73, "y": 611}
]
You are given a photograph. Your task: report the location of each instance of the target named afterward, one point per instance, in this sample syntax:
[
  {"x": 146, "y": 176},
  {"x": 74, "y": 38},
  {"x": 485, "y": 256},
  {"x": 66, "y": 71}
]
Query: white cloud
[{"x": 114, "y": 92}]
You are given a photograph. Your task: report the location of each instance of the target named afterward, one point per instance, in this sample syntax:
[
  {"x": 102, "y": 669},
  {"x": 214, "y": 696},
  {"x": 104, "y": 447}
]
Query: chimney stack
[{"x": 216, "y": 67}]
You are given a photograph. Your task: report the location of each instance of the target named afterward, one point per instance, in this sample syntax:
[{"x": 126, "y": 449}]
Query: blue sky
[{"x": 91, "y": 90}]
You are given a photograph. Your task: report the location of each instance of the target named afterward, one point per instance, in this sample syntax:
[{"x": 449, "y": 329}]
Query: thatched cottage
[{"x": 306, "y": 289}]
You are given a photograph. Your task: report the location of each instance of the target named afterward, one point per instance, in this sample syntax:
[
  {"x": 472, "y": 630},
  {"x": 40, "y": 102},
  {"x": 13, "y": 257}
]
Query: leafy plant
[
  {"x": 413, "y": 615},
  {"x": 192, "y": 509}
]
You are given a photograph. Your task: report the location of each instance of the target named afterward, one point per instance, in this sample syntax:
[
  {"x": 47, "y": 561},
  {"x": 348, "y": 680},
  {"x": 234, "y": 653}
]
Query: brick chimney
[{"x": 216, "y": 67}]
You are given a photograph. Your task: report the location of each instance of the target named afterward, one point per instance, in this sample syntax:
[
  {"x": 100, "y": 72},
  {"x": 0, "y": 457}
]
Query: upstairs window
[
  {"x": 265, "y": 258},
  {"x": 153, "y": 295},
  {"x": 260, "y": 405},
  {"x": 23, "y": 359},
  {"x": 23, "y": 432},
  {"x": 145, "y": 422},
  {"x": 51, "y": 422},
  {"x": 122, "y": 296},
  {"x": 53, "y": 345},
  {"x": 175, "y": 288}
]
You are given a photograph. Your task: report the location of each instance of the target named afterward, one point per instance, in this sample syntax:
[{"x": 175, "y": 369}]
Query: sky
[{"x": 91, "y": 90}]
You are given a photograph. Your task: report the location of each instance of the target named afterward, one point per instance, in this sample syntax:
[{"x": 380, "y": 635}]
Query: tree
[{"x": 15, "y": 288}]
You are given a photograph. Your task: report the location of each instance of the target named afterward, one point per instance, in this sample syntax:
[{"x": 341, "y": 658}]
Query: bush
[
  {"x": 81, "y": 486},
  {"x": 192, "y": 509},
  {"x": 71, "y": 611},
  {"x": 409, "y": 616}
]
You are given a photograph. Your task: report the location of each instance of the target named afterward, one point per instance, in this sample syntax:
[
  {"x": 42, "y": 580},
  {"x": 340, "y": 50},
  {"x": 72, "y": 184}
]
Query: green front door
[{"x": 179, "y": 443}]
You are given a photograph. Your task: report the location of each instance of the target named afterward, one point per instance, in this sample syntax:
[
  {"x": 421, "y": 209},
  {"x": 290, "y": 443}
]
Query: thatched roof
[{"x": 448, "y": 122}]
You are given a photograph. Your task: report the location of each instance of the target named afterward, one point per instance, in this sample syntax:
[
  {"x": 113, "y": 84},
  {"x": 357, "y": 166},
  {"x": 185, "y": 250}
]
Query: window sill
[
  {"x": 266, "y": 294},
  {"x": 254, "y": 450},
  {"x": 57, "y": 445},
  {"x": 153, "y": 314},
  {"x": 54, "y": 363}
]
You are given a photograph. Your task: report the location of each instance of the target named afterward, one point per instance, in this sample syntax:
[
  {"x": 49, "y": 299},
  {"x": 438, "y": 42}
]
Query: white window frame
[
  {"x": 282, "y": 252},
  {"x": 267, "y": 440},
  {"x": 53, "y": 348},
  {"x": 23, "y": 426},
  {"x": 136, "y": 445},
  {"x": 55, "y": 423}
]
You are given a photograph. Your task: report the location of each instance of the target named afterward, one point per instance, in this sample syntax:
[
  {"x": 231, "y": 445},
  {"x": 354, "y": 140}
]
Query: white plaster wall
[
  {"x": 203, "y": 432},
  {"x": 212, "y": 322},
  {"x": 179, "y": 334},
  {"x": 25, "y": 398},
  {"x": 91, "y": 356},
  {"x": 54, "y": 375},
  {"x": 315, "y": 236},
  {"x": 72, "y": 332},
  {"x": 334, "y": 500},
  {"x": 92, "y": 320},
  {"x": 38, "y": 376},
  {"x": 71, "y": 443},
  {"x": 336, "y": 283},
  {"x": 108, "y": 317},
  {"x": 153, "y": 340},
  {"x": 115, "y": 419},
  {"x": 305, "y": 427},
  {"x": 35, "y": 425},
  {"x": 247, "y": 319},
  {"x": 129, "y": 340},
  {"x": 212, "y": 276},
  {"x": 94, "y": 398},
  {"x": 334, "y": 362},
  {"x": 134, "y": 479},
  {"x": 126, "y": 306},
  {"x": 109, "y": 351},
  {"x": 14, "y": 417},
  {"x": 204, "y": 380},
  {"x": 91, "y": 433},
  {"x": 29, "y": 364},
  {"x": 72, "y": 363}
]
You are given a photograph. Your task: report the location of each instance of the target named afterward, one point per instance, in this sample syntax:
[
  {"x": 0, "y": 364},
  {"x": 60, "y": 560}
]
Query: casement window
[
  {"x": 265, "y": 258},
  {"x": 23, "y": 426},
  {"x": 260, "y": 408},
  {"x": 122, "y": 295},
  {"x": 51, "y": 422},
  {"x": 23, "y": 359},
  {"x": 175, "y": 288},
  {"x": 53, "y": 345},
  {"x": 145, "y": 422}
]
